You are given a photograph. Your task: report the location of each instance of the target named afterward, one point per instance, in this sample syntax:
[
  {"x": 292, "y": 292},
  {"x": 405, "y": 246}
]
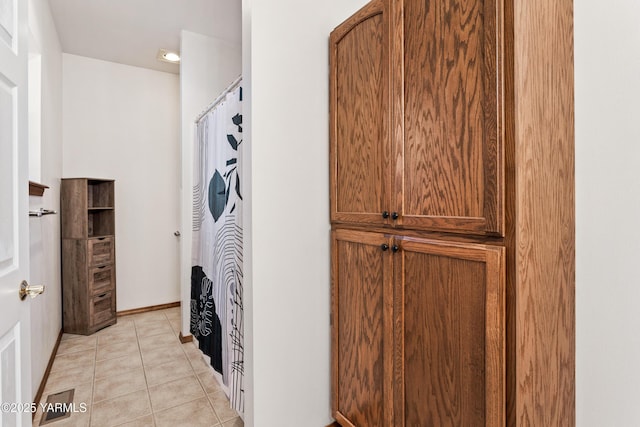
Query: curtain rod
[{"x": 211, "y": 106}]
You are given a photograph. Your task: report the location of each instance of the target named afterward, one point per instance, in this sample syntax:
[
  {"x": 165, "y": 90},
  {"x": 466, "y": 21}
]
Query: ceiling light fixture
[{"x": 166, "y": 55}]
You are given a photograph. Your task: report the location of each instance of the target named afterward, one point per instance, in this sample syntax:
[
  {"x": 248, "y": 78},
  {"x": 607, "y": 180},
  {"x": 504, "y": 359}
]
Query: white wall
[
  {"x": 287, "y": 330},
  {"x": 44, "y": 232},
  {"x": 122, "y": 122},
  {"x": 207, "y": 67},
  {"x": 607, "y": 70}
]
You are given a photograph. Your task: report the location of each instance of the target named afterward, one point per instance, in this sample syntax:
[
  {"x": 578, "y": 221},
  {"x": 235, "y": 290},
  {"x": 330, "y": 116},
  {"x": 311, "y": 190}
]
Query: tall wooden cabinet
[
  {"x": 451, "y": 192},
  {"x": 88, "y": 254},
  {"x": 422, "y": 149}
]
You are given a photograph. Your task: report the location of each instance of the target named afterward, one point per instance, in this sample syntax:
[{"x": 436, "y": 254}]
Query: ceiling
[{"x": 131, "y": 31}]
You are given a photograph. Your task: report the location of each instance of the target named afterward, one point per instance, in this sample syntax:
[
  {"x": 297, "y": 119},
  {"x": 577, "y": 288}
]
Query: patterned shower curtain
[{"x": 216, "y": 272}]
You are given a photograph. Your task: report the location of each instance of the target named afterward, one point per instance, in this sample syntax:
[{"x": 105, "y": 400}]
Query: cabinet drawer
[
  {"x": 100, "y": 250},
  {"x": 101, "y": 279},
  {"x": 102, "y": 308}
]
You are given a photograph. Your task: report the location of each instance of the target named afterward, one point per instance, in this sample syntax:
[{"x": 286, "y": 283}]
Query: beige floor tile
[
  {"x": 117, "y": 366},
  {"x": 175, "y": 393},
  {"x": 76, "y": 345},
  {"x": 155, "y": 341},
  {"x": 196, "y": 413},
  {"x": 122, "y": 322},
  {"x": 82, "y": 407},
  {"x": 155, "y": 328},
  {"x": 199, "y": 364},
  {"x": 173, "y": 314},
  {"x": 81, "y": 358},
  {"x": 68, "y": 378},
  {"x": 82, "y": 394},
  {"x": 221, "y": 406},
  {"x": 120, "y": 328},
  {"x": 36, "y": 419},
  {"x": 144, "y": 377},
  {"x": 116, "y": 338},
  {"x": 176, "y": 332},
  {"x": 191, "y": 350},
  {"x": 165, "y": 372},
  {"x": 174, "y": 321},
  {"x": 208, "y": 382},
  {"x": 35, "y": 422},
  {"x": 172, "y": 310},
  {"x": 66, "y": 336},
  {"x": 75, "y": 420},
  {"x": 148, "y": 317},
  {"x": 146, "y": 421},
  {"x": 162, "y": 355},
  {"x": 176, "y": 324},
  {"x": 118, "y": 385},
  {"x": 84, "y": 338},
  {"x": 174, "y": 317},
  {"x": 119, "y": 349},
  {"x": 236, "y": 422},
  {"x": 120, "y": 335},
  {"x": 121, "y": 409}
]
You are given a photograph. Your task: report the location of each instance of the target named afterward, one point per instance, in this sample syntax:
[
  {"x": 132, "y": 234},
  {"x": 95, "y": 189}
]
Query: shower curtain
[{"x": 216, "y": 272}]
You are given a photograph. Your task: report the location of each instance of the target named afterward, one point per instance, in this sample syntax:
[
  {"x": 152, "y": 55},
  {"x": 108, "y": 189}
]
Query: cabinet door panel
[
  {"x": 360, "y": 145},
  {"x": 361, "y": 329},
  {"x": 451, "y": 168},
  {"x": 452, "y": 328}
]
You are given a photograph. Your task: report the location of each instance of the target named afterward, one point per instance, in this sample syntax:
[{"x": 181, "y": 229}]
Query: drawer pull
[
  {"x": 101, "y": 238},
  {"x": 101, "y": 267},
  {"x": 102, "y": 295}
]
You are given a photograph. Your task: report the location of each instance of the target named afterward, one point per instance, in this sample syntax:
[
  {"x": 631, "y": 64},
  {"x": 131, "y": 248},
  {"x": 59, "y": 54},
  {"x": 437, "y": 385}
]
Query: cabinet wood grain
[
  {"x": 451, "y": 173},
  {"x": 74, "y": 223},
  {"x": 545, "y": 222},
  {"x": 360, "y": 146},
  {"x": 362, "y": 296},
  {"x": 450, "y": 321}
]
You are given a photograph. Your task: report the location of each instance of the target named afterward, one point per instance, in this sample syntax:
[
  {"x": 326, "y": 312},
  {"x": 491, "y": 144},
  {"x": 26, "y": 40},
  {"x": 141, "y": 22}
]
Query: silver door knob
[{"x": 32, "y": 291}]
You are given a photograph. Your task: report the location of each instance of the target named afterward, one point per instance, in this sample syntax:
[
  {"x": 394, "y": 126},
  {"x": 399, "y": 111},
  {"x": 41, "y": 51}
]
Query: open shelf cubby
[
  {"x": 99, "y": 194},
  {"x": 101, "y": 223}
]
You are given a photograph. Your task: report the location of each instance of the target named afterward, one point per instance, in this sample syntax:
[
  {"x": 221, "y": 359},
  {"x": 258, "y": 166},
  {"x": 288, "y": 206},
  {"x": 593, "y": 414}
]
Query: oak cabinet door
[
  {"x": 450, "y": 334},
  {"x": 361, "y": 329},
  {"x": 360, "y": 171},
  {"x": 450, "y": 175}
]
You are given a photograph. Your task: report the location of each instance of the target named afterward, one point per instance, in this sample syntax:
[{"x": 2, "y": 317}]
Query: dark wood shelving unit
[{"x": 88, "y": 254}]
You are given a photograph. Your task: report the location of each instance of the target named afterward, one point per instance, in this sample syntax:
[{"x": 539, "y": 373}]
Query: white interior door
[{"x": 15, "y": 376}]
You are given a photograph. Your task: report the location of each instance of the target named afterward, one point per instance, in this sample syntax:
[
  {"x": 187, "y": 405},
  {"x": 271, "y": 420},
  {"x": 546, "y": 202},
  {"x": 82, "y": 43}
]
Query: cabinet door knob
[
  {"x": 394, "y": 215},
  {"x": 384, "y": 246},
  {"x": 395, "y": 248},
  {"x": 385, "y": 214}
]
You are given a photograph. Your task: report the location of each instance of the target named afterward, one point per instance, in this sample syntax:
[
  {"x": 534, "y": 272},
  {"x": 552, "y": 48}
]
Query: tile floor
[{"x": 136, "y": 373}]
